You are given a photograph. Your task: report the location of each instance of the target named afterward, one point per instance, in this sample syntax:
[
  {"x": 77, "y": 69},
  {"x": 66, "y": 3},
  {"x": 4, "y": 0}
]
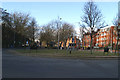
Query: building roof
[{"x": 107, "y": 27}]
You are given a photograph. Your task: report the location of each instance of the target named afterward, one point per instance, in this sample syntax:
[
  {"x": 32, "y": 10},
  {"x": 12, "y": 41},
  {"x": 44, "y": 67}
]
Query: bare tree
[
  {"x": 23, "y": 25},
  {"x": 47, "y": 34},
  {"x": 19, "y": 22},
  {"x": 92, "y": 19},
  {"x": 20, "y": 27},
  {"x": 66, "y": 31},
  {"x": 115, "y": 22},
  {"x": 58, "y": 27},
  {"x": 32, "y": 29},
  {"x": 7, "y": 30},
  {"x": 82, "y": 32}
]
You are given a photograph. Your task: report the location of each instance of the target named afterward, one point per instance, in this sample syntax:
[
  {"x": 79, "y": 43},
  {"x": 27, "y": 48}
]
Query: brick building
[
  {"x": 72, "y": 41},
  {"x": 104, "y": 37},
  {"x": 86, "y": 41}
]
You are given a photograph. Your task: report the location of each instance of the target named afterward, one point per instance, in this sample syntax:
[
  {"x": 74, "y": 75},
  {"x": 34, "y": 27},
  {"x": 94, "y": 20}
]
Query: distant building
[
  {"x": 86, "y": 41},
  {"x": 104, "y": 37},
  {"x": 74, "y": 42}
]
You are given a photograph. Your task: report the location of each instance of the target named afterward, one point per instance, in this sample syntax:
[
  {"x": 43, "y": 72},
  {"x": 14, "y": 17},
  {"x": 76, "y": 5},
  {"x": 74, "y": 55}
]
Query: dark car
[{"x": 34, "y": 46}]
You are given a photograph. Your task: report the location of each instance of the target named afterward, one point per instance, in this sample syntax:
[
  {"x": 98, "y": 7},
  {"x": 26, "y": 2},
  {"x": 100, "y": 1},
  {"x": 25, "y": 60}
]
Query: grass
[{"x": 62, "y": 53}]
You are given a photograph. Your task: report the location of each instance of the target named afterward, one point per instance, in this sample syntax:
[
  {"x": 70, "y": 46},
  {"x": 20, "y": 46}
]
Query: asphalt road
[{"x": 15, "y": 66}]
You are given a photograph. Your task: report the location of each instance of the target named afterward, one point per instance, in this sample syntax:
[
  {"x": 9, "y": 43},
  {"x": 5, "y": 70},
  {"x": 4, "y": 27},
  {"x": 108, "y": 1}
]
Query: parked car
[{"x": 34, "y": 46}]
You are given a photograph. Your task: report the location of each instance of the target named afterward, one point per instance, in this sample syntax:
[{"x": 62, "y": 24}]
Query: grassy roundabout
[{"x": 54, "y": 53}]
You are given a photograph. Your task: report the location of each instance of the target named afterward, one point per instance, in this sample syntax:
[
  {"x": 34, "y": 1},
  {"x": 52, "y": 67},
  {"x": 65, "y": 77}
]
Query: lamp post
[
  {"x": 14, "y": 38},
  {"x": 58, "y": 29},
  {"x": 14, "y": 25}
]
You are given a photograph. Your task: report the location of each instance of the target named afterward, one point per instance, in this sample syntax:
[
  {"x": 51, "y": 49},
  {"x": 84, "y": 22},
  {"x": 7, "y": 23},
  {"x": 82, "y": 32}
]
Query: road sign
[{"x": 26, "y": 42}]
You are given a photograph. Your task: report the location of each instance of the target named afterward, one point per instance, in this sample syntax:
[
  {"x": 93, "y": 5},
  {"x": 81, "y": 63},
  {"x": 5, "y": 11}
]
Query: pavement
[{"x": 18, "y": 66}]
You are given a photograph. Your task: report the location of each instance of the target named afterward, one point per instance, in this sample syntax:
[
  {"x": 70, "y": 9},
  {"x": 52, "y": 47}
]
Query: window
[
  {"x": 107, "y": 29},
  {"x": 115, "y": 28},
  {"x": 96, "y": 44},
  {"x": 116, "y": 32},
  {"x": 116, "y": 37},
  {"x": 104, "y": 33},
  {"x": 113, "y": 33},
  {"x": 118, "y": 27},
  {"x": 119, "y": 32},
  {"x": 107, "y": 42},
  {"x": 102, "y": 38},
  {"x": 119, "y": 42}
]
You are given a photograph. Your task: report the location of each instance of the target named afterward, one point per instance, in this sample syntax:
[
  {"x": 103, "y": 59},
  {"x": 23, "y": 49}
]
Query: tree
[
  {"x": 65, "y": 32},
  {"x": 20, "y": 23},
  {"x": 32, "y": 29},
  {"x": 58, "y": 26},
  {"x": 47, "y": 34},
  {"x": 17, "y": 28},
  {"x": 7, "y": 30},
  {"x": 92, "y": 19}
]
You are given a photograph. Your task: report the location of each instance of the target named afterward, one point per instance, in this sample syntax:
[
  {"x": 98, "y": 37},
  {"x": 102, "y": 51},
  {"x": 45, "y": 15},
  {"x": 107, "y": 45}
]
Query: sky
[{"x": 70, "y": 12}]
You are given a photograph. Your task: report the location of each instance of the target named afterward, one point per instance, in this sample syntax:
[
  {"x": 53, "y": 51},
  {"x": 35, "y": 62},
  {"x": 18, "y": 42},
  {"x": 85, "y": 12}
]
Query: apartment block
[
  {"x": 86, "y": 41},
  {"x": 103, "y": 37}
]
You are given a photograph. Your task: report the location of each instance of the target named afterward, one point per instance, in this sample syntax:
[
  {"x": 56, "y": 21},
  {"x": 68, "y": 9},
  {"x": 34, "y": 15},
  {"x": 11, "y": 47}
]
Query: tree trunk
[
  {"x": 91, "y": 44},
  {"x": 47, "y": 46},
  {"x": 64, "y": 44},
  {"x": 116, "y": 46}
]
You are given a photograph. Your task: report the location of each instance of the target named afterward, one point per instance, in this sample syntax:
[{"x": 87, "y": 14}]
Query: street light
[
  {"x": 14, "y": 26},
  {"x": 58, "y": 30}
]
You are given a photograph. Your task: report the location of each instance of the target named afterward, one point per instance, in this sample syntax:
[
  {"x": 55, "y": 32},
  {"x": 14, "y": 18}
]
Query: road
[{"x": 16, "y": 66}]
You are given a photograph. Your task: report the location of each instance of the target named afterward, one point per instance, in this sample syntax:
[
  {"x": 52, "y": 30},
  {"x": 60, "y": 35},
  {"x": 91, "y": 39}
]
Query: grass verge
[{"x": 54, "y": 53}]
